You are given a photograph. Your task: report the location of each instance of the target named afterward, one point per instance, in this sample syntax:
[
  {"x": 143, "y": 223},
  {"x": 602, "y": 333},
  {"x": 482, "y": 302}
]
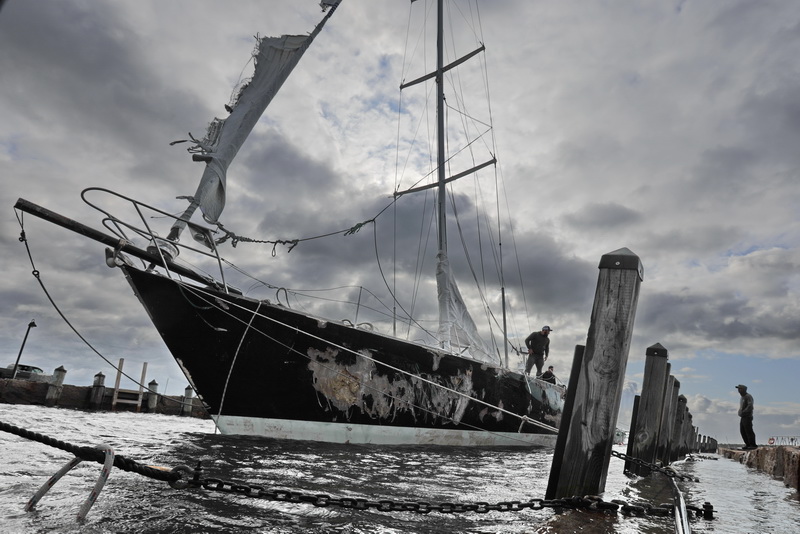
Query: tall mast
[
  {"x": 444, "y": 314},
  {"x": 440, "y": 128},
  {"x": 447, "y": 291}
]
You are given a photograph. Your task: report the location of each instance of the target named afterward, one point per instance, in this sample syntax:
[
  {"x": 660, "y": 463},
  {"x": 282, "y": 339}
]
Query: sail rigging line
[
  {"x": 475, "y": 21},
  {"x": 468, "y": 257},
  {"x": 233, "y": 362},
  {"x": 202, "y": 294},
  {"x": 409, "y": 318},
  {"x": 37, "y": 274},
  {"x": 394, "y": 296}
]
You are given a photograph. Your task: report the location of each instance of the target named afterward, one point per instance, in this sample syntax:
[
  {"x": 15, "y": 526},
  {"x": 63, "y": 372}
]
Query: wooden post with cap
[{"x": 580, "y": 468}]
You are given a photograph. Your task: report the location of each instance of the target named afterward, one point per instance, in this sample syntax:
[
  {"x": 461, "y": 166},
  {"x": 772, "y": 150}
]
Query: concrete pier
[{"x": 781, "y": 462}]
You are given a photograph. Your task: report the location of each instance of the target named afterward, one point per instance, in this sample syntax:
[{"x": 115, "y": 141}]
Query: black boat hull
[{"x": 264, "y": 369}]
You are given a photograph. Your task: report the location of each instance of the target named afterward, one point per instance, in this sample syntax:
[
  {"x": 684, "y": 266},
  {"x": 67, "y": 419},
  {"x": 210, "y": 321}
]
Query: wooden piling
[
  {"x": 666, "y": 421},
  {"x": 672, "y": 418},
  {"x": 115, "y": 396},
  {"x": 55, "y": 387},
  {"x": 677, "y": 429},
  {"x": 187, "y": 401},
  {"x": 589, "y": 434},
  {"x": 648, "y": 423},
  {"x": 98, "y": 392},
  {"x": 152, "y": 395},
  {"x": 566, "y": 415},
  {"x": 628, "y": 468}
]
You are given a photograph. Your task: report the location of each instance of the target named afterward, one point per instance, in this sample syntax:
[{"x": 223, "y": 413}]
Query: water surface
[{"x": 746, "y": 502}]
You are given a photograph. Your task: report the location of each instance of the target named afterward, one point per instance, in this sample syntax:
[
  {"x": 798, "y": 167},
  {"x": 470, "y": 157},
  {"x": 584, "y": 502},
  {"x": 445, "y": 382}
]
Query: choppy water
[{"x": 745, "y": 501}]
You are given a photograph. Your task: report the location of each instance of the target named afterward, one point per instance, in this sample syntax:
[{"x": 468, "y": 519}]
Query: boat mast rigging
[{"x": 443, "y": 284}]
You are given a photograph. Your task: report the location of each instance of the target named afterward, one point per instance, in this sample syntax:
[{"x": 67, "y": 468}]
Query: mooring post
[
  {"x": 152, "y": 396},
  {"x": 664, "y": 428},
  {"x": 672, "y": 416},
  {"x": 115, "y": 396},
  {"x": 687, "y": 433},
  {"x": 55, "y": 387},
  {"x": 566, "y": 415},
  {"x": 98, "y": 392},
  {"x": 141, "y": 388},
  {"x": 677, "y": 430},
  {"x": 648, "y": 422},
  {"x": 582, "y": 466},
  {"x": 187, "y": 401},
  {"x": 629, "y": 450}
]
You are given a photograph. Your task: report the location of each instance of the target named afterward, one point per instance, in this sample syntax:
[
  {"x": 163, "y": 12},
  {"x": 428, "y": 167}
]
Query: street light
[{"x": 31, "y": 324}]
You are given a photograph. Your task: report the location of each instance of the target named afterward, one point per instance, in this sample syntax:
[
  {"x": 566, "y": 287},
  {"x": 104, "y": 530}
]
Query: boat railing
[{"x": 166, "y": 249}]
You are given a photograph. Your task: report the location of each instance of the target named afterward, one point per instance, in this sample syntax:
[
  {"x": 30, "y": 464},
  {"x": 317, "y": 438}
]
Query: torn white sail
[
  {"x": 457, "y": 330},
  {"x": 275, "y": 58}
]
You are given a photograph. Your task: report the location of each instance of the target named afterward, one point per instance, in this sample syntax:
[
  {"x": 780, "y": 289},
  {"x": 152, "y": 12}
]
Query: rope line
[
  {"x": 91, "y": 454},
  {"x": 37, "y": 274}
]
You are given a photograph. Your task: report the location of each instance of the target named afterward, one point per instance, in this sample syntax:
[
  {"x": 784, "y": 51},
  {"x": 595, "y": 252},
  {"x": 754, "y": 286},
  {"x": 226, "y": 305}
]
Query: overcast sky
[{"x": 671, "y": 128}]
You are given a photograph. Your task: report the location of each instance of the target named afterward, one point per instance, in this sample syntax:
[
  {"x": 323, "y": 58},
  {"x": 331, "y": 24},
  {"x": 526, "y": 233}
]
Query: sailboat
[{"x": 262, "y": 368}]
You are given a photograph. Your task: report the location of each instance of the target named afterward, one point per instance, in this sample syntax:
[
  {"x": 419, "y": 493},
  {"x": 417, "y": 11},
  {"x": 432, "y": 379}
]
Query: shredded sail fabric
[
  {"x": 457, "y": 330},
  {"x": 275, "y": 58}
]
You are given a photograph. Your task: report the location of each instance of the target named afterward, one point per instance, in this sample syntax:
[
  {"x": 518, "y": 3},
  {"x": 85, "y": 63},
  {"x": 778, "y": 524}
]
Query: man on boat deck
[
  {"x": 538, "y": 349},
  {"x": 549, "y": 375}
]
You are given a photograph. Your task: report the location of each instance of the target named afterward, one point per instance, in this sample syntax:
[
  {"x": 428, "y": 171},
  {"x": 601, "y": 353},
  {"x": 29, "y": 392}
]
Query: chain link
[
  {"x": 668, "y": 471},
  {"x": 182, "y": 477},
  {"x": 322, "y": 500}
]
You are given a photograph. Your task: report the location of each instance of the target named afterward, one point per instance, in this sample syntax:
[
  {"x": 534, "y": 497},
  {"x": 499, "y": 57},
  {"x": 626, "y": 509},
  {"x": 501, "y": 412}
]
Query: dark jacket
[
  {"x": 538, "y": 343},
  {"x": 746, "y": 406}
]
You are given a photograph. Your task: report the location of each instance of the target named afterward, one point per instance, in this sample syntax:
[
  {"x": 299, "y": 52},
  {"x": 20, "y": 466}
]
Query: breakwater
[{"x": 781, "y": 462}]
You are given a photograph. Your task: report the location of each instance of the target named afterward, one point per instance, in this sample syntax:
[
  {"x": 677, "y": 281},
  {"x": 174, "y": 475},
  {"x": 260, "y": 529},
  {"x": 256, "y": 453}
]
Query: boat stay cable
[{"x": 37, "y": 274}]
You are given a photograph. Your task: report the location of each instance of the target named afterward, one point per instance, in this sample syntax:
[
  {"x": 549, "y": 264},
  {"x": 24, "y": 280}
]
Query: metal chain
[
  {"x": 182, "y": 477},
  {"x": 668, "y": 471},
  {"x": 591, "y": 502}
]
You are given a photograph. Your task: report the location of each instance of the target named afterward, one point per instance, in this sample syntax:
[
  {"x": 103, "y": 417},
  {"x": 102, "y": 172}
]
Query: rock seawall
[{"x": 781, "y": 462}]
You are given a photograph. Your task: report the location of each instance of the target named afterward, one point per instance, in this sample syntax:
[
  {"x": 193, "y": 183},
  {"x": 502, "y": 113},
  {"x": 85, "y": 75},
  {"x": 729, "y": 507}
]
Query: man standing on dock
[
  {"x": 746, "y": 414},
  {"x": 538, "y": 344}
]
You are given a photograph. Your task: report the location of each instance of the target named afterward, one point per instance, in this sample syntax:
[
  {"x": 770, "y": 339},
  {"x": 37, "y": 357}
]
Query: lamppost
[{"x": 30, "y": 325}]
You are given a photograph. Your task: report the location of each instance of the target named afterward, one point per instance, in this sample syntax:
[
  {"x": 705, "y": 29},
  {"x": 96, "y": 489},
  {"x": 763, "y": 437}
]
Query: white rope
[{"x": 233, "y": 362}]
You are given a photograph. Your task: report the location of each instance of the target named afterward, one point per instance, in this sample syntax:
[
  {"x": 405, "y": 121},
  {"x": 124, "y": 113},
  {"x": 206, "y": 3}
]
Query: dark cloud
[{"x": 607, "y": 217}]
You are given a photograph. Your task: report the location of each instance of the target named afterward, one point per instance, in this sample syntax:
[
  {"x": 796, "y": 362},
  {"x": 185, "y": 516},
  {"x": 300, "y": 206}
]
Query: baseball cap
[
  {"x": 547, "y": 328},
  {"x": 741, "y": 386}
]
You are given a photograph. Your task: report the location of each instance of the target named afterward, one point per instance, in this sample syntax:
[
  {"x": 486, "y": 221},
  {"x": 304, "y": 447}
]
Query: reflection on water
[{"x": 745, "y": 501}]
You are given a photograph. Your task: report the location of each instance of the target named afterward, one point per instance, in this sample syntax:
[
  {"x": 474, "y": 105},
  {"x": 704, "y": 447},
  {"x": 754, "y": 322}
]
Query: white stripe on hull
[{"x": 376, "y": 434}]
